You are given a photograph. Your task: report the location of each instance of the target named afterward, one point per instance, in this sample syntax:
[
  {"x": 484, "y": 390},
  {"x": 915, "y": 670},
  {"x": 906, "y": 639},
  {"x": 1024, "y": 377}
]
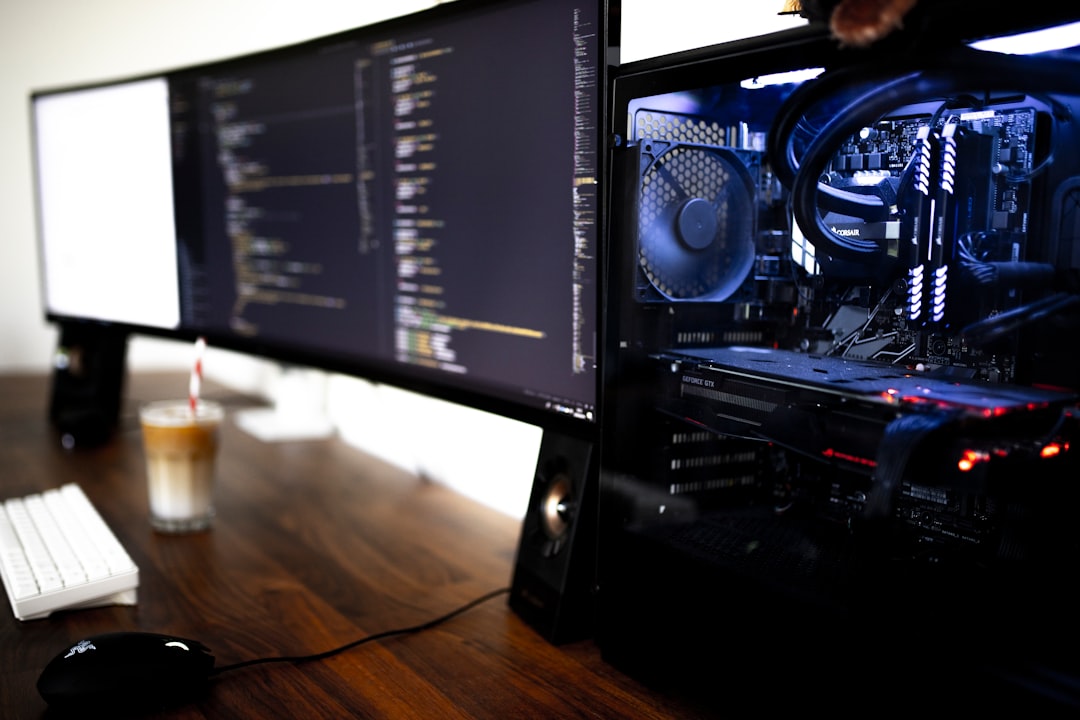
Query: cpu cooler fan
[{"x": 696, "y": 215}]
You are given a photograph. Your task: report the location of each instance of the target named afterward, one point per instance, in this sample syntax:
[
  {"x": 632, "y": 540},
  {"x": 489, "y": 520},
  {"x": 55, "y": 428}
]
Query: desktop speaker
[
  {"x": 554, "y": 572},
  {"x": 87, "y": 383}
]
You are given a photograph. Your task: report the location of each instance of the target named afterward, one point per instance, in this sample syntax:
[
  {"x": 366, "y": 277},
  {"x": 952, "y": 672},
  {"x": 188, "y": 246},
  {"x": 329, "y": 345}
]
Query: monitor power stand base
[{"x": 298, "y": 412}]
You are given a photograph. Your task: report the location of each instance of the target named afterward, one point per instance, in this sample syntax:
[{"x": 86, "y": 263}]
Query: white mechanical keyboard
[{"x": 57, "y": 553}]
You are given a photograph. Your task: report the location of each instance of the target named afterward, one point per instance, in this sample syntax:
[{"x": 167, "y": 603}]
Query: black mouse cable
[{"x": 370, "y": 638}]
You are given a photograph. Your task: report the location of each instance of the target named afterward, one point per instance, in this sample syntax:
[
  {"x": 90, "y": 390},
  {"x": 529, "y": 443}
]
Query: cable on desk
[{"x": 370, "y": 638}]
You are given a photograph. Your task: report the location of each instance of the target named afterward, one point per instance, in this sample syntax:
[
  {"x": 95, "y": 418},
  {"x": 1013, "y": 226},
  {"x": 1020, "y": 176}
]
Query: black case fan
[{"x": 696, "y": 212}]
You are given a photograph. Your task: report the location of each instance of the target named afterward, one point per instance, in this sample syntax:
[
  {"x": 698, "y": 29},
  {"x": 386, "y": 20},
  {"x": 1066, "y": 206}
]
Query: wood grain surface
[{"x": 315, "y": 544}]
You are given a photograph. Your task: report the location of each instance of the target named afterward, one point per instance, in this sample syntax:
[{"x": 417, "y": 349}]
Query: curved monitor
[{"x": 416, "y": 201}]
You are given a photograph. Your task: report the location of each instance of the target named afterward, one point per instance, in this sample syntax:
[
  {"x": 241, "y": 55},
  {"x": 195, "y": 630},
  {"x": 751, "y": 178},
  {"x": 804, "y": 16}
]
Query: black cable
[
  {"x": 940, "y": 76},
  {"x": 792, "y": 122},
  {"x": 997, "y": 326},
  {"x": 370, "y": 638},
  {"x": 898, "y": 445},
  {"x": 973, "y": 251}
]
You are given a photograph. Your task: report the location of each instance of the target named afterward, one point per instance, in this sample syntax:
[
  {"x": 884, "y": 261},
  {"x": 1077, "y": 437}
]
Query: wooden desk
[{"x": 315, "y": 544}]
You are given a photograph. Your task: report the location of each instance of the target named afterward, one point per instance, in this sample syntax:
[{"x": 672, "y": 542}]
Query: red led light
[
  {"x": 1051, "y": 450},
  {"x": 832, "y": 453},
  {"x": 970, "y": 458}
]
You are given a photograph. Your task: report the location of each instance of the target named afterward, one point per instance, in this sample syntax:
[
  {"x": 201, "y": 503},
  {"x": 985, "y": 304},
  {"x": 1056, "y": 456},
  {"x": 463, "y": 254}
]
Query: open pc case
[{"x": 840, "y": 448}]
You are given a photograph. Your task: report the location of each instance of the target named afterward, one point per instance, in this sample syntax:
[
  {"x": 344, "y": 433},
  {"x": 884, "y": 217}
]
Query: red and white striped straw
[{"x": 196, "y": 374}]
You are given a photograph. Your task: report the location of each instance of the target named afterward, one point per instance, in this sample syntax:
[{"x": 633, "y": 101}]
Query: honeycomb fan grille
[
  {"x": 712, "y": 265},
  {"x": 656, "y": 125}
]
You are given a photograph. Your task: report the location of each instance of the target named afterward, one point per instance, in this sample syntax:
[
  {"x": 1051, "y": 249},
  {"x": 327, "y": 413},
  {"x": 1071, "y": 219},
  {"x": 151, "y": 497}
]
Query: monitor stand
[{"x": 298, "y": 411}]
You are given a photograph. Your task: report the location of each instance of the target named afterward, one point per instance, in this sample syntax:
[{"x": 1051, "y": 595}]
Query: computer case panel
[{"x": 839, "y": 458}]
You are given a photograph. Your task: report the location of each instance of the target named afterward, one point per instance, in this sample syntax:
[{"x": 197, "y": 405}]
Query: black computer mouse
[{"x": 126, "y": 671}]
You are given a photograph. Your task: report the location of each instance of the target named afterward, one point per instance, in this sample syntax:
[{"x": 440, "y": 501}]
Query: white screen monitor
[{"x": 105, "y": 203}]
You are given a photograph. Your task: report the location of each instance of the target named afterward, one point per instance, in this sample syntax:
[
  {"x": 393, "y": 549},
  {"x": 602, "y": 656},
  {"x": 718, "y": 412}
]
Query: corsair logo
[{"x": 845, "y": 232}]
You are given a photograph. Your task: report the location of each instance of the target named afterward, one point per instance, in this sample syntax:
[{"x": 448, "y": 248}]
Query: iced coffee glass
[{"x": 181, "y": 450}]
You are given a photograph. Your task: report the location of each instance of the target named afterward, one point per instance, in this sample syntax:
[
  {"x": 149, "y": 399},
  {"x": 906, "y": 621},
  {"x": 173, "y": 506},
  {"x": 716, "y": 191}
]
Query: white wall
[
  {"x": 47, "y": 43},
  {"x": 655, "y": 27}
]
